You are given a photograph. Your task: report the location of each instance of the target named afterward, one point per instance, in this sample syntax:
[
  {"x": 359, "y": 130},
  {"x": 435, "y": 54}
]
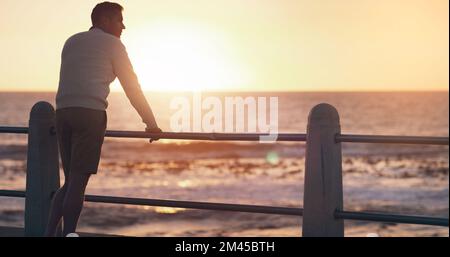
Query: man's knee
[{"x": 78, "y": 182}]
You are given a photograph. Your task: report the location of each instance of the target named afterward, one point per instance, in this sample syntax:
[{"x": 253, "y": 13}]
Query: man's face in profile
[{"x": 114, "y": 24}]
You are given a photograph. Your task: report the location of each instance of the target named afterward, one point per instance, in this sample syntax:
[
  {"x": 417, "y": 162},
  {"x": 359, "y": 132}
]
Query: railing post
[
  {"x": 42, "y": 168},
  {"x": 323, "y": 174}
]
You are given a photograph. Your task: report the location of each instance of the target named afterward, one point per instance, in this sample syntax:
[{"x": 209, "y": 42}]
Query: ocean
[{"x": 404, "y": 179}]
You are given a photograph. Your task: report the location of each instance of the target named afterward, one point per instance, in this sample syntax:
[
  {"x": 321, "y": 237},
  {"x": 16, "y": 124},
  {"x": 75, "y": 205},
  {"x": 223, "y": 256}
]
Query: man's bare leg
[
  {"x": 73, "y": 201},
  {"x": 56, "y": 211}
]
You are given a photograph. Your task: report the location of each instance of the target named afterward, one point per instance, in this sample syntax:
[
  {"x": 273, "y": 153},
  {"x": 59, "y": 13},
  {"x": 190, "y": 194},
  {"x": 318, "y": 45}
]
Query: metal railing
[{"x": 322, "y": 212}]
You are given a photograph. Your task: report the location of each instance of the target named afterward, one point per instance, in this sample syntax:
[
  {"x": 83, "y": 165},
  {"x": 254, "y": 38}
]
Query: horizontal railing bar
[
  {"x": 204, "y": 136},
  {"x": 256, "y": 136},
  {"x": 12, "y": 193},
  {"x": 377, "y": 217},
  {"x": 380, "y": 217},
  {"x": 181, "y": 135},
  {"x": 392, "y": 139},
  {"x": 14, "y": 130},
  {"x": 196, "y": 205}
]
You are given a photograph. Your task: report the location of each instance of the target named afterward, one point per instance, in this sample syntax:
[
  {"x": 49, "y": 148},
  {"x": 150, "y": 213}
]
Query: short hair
[{"x": 105, "y": 9}]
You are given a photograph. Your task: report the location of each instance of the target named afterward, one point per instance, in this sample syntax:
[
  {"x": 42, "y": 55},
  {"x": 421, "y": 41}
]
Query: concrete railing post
[
  {"x": 323, "y": 174},
  {"x": 42, "y": 168}
]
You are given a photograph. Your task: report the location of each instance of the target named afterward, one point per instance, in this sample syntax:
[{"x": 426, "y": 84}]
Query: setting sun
[{"x": 170, "y": 56}]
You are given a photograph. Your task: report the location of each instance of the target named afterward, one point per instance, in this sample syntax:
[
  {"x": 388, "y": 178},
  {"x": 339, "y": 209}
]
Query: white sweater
[{"x": 90, "y": 61}]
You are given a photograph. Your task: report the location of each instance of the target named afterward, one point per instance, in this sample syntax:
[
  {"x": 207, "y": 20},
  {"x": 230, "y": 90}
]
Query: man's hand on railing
[{"x": 153, "y": 130}]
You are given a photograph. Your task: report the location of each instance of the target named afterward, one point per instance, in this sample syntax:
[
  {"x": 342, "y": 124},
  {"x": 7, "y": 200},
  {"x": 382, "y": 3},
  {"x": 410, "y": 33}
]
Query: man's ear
[{"x": 104, "y": 21}]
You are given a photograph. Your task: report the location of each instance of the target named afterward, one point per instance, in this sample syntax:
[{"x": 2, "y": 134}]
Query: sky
[{"x": 242, "y": 45}]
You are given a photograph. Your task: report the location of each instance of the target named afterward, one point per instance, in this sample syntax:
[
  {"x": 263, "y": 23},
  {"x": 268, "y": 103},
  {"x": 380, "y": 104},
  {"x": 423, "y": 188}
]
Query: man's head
[{"x": 108, "y": 17}]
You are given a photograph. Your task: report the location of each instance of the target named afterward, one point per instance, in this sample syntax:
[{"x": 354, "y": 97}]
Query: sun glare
[{"x": 181, "y": 57}]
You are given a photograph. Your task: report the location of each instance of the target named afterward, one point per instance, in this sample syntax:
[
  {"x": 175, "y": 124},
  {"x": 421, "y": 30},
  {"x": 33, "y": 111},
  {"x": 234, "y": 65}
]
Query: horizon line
[{"x": 250, "y": 91}]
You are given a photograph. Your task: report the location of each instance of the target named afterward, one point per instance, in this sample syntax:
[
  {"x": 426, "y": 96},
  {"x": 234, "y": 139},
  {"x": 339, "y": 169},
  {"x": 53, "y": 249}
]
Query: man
[{"x": 90, "y": 61}]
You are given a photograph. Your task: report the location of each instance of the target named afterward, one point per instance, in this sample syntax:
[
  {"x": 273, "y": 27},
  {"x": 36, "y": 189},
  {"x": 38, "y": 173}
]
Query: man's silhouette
[{"x": 90, "y": 61}]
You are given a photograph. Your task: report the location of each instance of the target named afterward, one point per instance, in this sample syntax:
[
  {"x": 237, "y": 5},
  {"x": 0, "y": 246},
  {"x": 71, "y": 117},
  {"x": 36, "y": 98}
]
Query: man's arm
[{"x": 128, "y": 79}]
